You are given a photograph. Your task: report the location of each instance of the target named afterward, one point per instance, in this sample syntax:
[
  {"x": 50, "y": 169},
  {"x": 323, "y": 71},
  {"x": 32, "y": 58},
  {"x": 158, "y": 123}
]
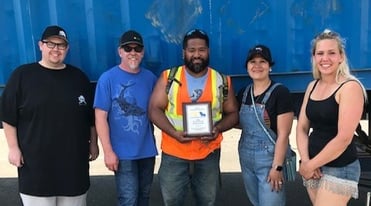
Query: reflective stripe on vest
[{"x": 178, "y": 95}]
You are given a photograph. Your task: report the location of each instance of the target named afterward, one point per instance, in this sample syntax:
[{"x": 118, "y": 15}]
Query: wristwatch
[{"x": 278, "y": 168}]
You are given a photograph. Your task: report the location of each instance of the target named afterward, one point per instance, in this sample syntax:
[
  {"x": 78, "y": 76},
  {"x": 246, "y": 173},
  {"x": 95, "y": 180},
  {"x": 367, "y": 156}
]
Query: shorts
[
  {"x": 340, "y": 180},
  {"x": 30, "y": 200}
]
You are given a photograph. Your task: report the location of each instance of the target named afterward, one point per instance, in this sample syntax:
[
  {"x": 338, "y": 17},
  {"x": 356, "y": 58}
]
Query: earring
[{"x": 270, "y": 70}]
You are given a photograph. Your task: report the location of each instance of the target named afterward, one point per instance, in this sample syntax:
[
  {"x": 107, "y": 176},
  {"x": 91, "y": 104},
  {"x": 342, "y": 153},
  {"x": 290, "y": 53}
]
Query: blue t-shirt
[
  {"x": 195, "y": 86},
  {"x": 125, "y": 96}
]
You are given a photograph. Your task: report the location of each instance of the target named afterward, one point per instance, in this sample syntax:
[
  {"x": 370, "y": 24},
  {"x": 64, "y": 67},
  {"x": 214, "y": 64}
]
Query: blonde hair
[{"x": 343, "y": 68}]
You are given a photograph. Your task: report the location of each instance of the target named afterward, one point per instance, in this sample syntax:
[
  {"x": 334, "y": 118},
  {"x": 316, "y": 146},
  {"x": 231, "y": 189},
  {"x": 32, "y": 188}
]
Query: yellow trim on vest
[{"x": 178, "y": 94}]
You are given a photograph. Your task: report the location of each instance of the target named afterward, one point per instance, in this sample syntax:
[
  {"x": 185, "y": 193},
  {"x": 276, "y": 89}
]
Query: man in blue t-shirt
[{"x": 125, "y": 132}]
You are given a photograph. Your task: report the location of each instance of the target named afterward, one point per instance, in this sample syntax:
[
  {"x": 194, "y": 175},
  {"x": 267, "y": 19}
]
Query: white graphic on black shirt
[{"x": 81, "y": 100}]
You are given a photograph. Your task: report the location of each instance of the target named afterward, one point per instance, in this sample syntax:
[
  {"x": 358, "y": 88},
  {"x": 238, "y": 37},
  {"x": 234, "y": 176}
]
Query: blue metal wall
[{"x": 94, "y": 28}]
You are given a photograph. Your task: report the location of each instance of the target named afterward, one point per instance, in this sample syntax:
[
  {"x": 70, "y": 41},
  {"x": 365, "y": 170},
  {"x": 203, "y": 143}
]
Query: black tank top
[{"x": 323, "y": 117}]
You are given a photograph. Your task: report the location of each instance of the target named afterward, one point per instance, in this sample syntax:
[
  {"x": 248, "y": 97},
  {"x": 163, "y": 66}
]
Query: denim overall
[{"x": 256, "y": 154}]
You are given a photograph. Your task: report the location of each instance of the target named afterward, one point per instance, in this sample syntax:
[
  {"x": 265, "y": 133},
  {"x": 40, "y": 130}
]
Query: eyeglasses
[
  {"x": 128, "y": 48},
  {"x": 52, "y": 45}
]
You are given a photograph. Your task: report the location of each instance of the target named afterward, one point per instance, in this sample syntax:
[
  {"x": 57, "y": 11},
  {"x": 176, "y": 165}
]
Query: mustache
[
  {"x": 197, "y": 58},
  {"x": 197, "y": 67}
]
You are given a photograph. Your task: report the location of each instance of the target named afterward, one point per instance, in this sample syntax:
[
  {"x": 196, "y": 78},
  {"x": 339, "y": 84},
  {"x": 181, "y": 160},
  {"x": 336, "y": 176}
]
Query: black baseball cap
[
  {"x": 262, "y": 51},
  {"x": 54, "y": 31},
  {"x": 131, "y": 37}
]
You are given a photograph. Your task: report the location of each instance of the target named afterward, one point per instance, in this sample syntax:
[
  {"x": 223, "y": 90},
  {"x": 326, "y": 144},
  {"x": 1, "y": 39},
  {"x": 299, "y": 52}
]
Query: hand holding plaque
[{"x": 197, "y": 119}]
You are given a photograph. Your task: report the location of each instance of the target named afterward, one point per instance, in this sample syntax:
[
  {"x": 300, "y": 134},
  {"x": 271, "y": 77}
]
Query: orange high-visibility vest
[{"x": 177, "y": 95}]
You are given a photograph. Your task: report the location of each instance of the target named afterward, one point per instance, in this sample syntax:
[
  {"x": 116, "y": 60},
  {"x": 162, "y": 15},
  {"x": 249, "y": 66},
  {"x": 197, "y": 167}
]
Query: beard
[
  {"x": 133, "y": 65},
  {"x": 196, "y": 67}
]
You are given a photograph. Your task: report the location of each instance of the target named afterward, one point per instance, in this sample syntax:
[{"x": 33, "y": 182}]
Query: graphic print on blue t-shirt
[
  {"x": 195, "y": 86},
  {"x": 128, "y": 108},
  {"x": 196, "y": 94}
]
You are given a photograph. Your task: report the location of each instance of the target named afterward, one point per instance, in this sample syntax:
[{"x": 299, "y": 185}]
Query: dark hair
[{"x": 195, "y": 34}]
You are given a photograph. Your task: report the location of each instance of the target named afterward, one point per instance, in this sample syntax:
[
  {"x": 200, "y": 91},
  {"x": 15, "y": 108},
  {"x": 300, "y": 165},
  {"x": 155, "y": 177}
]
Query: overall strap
[
  {"x": 266, "y": 97},
  {"x": 245, "y": 94},
  {"x": 258, "y": 119},
  {"x": 269, "y": 92}
]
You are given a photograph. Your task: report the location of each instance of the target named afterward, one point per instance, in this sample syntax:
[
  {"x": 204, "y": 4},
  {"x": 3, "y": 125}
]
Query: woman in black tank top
[{"x": 331, "y": 110}]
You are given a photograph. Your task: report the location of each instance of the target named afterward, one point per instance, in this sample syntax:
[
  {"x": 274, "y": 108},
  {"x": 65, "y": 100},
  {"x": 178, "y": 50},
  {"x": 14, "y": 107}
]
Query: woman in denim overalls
[{"x": 261, "y": 160}]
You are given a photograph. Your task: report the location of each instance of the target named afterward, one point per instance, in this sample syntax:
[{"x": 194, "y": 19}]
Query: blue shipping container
[{"x": 94, "y": 28}]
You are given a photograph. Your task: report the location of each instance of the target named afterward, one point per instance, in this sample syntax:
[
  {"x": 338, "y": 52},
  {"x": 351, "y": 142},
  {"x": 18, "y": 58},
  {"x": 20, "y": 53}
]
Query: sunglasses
[
  {"x": 193, "y": 31},
  {"x": 128, "y": 48}
]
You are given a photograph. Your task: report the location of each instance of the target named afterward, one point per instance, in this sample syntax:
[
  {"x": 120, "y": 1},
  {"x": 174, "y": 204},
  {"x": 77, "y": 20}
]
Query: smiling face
[
  {"x": 196, "y": 55},
  {"x": 327, "y": 56},
  {"x": 53, "y": 51},
  {"x": 131, "y": 56},
  {"x": 258, "y": 68}
]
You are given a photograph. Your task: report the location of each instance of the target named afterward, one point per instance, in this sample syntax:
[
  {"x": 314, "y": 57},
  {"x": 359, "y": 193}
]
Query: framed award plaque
[{"x": 197, "y": 119}]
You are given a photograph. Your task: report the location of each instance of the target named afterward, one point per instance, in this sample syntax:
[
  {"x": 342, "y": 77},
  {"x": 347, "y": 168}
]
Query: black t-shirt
[
  {"x": 52, "y": 112},
  {"x": 279, "y": 102}
]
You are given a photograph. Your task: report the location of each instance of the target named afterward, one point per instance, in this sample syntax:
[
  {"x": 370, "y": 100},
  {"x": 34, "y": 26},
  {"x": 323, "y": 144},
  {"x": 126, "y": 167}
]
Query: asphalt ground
[{"x": 102, "y": 191}]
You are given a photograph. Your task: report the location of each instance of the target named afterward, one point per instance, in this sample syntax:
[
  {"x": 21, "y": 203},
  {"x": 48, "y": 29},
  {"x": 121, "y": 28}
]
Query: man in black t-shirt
[{"x": 48, "y": 121}]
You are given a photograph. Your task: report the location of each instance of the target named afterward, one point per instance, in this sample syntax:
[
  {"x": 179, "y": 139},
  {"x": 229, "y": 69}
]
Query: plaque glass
[{"x": 197, "y": 119}]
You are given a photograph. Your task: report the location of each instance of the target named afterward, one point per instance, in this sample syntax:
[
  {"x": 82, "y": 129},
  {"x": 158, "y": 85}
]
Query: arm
[
  {"x": 284, "y": 124},
  {"x": 110, "y": 158},
  {"x": 351, "y": 101},
  {"x": 302, "y": 127},
  {"x": 93, "y": 146},
  {"x": 230, "y": 113},
  {"x": 15, "y": 156},
  {"x": 156, "y": 111},
  {"x": 302, "y": 131},
  {"x": 239, "y": 98}
]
